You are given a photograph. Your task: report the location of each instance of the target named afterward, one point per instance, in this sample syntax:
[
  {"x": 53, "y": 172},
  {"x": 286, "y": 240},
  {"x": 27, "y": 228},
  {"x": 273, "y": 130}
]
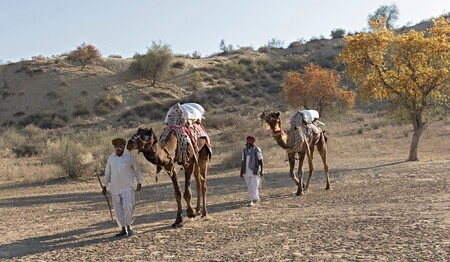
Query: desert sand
[{"x": 380, "y": 208}]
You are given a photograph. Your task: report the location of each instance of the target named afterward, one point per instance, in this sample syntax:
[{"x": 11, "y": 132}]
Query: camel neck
[{"x": 280, "y": 137}]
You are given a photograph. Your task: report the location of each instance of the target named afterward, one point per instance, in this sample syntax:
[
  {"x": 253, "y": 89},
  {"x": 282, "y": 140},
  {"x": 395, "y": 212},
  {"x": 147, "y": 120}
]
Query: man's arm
[
  {"x": 107, "y": 177},
  {"x": 261, "y": 172},
  {"x": 137, "y": 172}
]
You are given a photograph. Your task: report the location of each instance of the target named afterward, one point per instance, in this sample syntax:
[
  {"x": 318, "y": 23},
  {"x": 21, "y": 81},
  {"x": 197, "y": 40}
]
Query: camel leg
[
  {"x": 176, "y": 186},
  {"x": 188, "y": 170},
  {"x": 198, "y": 186},
  {"x": 322, "y": 148},
  {"x": 300, "y": 174},
  {"x": 203, "y": 172},
  {"x": 291, "y": 157},
  {"x": 309, "y": 154}
]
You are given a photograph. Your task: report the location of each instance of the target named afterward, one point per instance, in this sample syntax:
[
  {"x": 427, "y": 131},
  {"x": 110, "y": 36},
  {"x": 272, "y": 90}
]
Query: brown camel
[
  {"x": 300, "y": 140},
  {"x": 166, "y": 155}
]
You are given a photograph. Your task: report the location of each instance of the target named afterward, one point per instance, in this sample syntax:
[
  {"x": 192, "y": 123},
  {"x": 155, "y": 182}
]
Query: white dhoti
[
  {"x": 123, "y": 207},
  {"x": 252, "y": 182}
]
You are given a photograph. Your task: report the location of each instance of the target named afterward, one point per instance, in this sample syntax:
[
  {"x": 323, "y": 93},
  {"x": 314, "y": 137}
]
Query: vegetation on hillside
[{"x": 407, "y": 70}]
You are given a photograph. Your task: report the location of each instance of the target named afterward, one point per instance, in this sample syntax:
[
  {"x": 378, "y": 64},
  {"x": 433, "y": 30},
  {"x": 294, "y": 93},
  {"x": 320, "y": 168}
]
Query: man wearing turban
[{"x": 252, "y": 169}]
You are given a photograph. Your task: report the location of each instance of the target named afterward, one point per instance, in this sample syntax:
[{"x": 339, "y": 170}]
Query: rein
[{"x": 144, "y": 143}]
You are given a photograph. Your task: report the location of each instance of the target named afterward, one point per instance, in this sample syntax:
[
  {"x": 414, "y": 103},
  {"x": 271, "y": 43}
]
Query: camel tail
[{"x": 325, "y": 136}]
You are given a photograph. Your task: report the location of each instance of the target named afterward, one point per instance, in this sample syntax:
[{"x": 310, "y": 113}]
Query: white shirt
[{"x": 120, "y": 171}]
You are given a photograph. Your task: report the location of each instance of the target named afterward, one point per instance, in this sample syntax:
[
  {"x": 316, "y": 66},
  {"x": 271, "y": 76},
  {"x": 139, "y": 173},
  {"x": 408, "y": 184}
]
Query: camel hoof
[
  {"x": 328, "y": 188},
  {"x": 191, "y": 215},
  {"x": 299, "y": 194},
  {"x": 177, "y": 225}
]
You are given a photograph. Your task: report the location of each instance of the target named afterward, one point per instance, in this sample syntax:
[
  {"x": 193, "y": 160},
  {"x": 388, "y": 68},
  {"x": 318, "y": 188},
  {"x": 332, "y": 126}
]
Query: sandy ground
[{"x": 381, "y": 208}]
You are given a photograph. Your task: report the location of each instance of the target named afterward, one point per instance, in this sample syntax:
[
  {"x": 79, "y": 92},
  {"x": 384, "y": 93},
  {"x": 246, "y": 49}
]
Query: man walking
[
  {"x": 251, "y": 169},
  {"x": 121, "y": 169}
]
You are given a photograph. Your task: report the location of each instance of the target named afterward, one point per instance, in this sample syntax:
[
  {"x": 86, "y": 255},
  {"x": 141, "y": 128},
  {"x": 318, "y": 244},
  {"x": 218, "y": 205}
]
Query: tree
[
  {"x": 275, "y": 43},
  {"x": 85, "y": 54},
  {"x": 337, "y": 33},
  {"x": 389, "y": 12},
  {"x": 315, "y": 88},
  {"x": 224, "y": 48},
  {"x": 155, "y": 64},
  {"x": 410, "y": 70}
]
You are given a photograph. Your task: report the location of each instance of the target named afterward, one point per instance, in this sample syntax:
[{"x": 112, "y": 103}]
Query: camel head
[
  {"x": 142, "y": 140},
  {"x": 273, "y": 121}
]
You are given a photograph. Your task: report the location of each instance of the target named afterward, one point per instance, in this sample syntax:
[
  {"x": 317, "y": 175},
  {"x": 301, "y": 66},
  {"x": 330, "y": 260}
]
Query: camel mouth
[{"x": 131, "y": 145}]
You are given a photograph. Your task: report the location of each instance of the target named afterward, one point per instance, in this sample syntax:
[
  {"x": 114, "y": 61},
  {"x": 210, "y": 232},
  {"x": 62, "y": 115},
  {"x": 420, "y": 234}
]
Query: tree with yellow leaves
[
  {"x": 410, "y": 70},
  {"x": 316, "y": 88}
]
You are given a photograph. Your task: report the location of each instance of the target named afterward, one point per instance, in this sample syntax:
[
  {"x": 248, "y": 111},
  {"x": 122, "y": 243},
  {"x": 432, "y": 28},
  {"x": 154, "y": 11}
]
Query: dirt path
[{"x": 382, "y": 210}]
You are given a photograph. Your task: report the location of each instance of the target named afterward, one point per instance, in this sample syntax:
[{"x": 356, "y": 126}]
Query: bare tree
[{"x": 389, "y": 12}]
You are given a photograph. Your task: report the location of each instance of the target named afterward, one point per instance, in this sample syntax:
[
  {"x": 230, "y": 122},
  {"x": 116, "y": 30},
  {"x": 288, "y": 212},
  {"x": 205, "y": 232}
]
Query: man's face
[
  {"x": 250, "y": 143},
  {"x": 119, "y": 147}
]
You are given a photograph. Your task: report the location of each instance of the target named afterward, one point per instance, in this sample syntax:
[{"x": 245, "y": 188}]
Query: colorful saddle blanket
[{"x": 186, "y": 123}]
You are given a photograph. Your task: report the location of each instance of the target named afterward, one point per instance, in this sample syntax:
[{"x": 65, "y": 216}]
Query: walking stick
[{"x": 107, "y": 200}]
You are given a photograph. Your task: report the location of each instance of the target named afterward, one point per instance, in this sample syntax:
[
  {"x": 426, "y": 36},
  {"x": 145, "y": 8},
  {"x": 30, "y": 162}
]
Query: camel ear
[
  {"x": 152, "y": 136},
  {"x": 278, "y": 114}
]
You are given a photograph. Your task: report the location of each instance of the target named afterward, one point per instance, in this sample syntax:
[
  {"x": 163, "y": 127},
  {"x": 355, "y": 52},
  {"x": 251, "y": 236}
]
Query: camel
[
  {"x": 165, "y": 155},
  {"x": 300, "y": 140}
]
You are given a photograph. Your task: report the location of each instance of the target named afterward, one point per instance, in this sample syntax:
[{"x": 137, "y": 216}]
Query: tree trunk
[{"x": 418, "y": 129}]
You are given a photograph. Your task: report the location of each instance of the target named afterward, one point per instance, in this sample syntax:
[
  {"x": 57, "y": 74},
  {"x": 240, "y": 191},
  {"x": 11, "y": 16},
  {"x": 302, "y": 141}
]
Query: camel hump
[
  {"x": 310, "y": 115},
  {"x": 180, "y": 114}
]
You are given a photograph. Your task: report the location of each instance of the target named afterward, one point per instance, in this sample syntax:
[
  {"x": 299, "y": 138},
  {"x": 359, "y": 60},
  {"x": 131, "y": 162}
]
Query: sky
[{"x": 125, "y": 27}]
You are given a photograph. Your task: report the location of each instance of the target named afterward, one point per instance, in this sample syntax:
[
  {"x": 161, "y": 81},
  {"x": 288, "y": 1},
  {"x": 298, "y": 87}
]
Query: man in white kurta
[
  {"x": 252, "y": 169},
  {"x": 121, "y": 169}
]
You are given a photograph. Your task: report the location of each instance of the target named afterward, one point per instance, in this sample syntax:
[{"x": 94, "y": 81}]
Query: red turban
[{"x": 251, "y": 139}]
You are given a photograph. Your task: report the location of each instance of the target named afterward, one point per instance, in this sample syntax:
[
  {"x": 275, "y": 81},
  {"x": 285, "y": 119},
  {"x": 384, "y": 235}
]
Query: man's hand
[
  {"x": 104, "y": 190},
  {"x": 261, "y": 173},
  {"x": 139, "y": 187}
]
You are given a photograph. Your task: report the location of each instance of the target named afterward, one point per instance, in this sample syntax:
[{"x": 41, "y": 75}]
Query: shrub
[
  {"x": 70, "y": 155},
  {"x": 275, "y": 43},
  {"x": 45, "y": 120},
  {"x": 233, "y": 69},
  {"x": 106, "y": 103},
  {"x": 225, "y": 49},
  {"x": 337, "y": 33},
  {"x": 178, "y": 64},
  {"x": 196, "y": 55},
  {"x": 24, "y": 142},
  {"x": 81, "y": 152},
  {"x": 195, "y": 80}
]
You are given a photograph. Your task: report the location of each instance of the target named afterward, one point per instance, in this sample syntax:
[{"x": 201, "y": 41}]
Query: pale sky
[{"x": 125, "y": 27}]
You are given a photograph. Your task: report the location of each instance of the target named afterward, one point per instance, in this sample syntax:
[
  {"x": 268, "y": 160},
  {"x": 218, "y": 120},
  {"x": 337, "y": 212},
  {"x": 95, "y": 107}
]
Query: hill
[{"x": 52, "y": 93}]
